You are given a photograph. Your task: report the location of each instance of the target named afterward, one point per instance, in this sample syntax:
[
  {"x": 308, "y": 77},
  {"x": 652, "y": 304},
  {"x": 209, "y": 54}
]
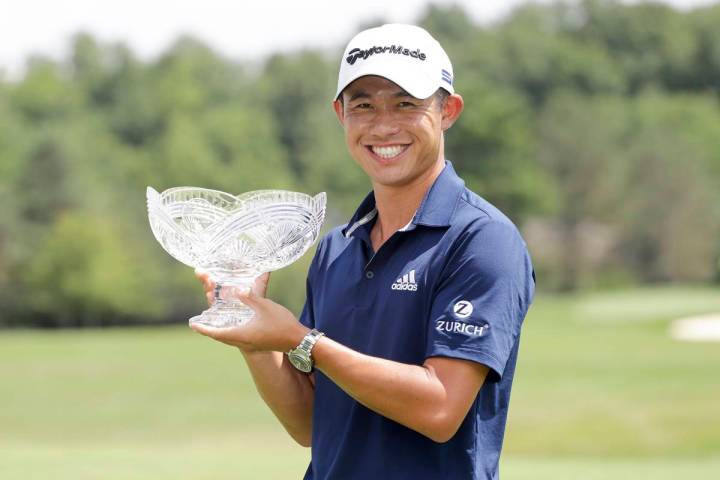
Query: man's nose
[{"x": 384, "y": 123}]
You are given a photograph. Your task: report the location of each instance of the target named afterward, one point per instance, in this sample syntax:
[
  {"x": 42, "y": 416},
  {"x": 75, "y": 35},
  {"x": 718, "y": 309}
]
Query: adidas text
[
  {"x": 406, "y": 282},
  {"x": 404, "y": 286}
]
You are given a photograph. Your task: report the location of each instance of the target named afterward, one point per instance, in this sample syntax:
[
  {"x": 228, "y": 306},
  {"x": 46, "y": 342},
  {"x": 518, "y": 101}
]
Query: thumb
[
  {"x": 201, "y": 275},
  {"x": 204, "y": 329},
  {"x": 251, "y": 299},
  {"x": 261, "y": 284}
]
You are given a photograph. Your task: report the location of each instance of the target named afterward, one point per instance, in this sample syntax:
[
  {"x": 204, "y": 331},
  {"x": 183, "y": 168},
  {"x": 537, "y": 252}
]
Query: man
[{"x": 414, "y": 308}]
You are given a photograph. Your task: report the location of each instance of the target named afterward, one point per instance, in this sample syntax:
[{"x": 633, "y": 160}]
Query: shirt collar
[
  {"x": 436, "y": 208},
  {"x": 365, "y": 213},
  {"x": 440, "y": 202}
]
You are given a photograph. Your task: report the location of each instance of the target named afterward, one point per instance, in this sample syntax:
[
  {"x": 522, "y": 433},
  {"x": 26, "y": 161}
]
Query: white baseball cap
[{"x": 404, "y": 54}]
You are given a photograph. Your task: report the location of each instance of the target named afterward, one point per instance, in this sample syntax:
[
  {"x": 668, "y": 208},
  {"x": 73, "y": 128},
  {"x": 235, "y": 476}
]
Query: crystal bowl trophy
[{"x": 235, "y": 238}]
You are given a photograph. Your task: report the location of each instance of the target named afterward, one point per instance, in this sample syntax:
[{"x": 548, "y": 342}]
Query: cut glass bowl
[{"x": 234, "y": 238}]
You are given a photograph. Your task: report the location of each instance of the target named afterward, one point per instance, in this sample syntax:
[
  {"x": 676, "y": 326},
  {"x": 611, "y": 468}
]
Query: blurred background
[{"x": 594, "y": 124}]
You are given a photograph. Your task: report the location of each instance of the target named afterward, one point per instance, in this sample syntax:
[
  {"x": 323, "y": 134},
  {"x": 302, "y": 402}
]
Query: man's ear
[
  {"x": 451, "y": 110},
  {"x": 339, "y": 111}
]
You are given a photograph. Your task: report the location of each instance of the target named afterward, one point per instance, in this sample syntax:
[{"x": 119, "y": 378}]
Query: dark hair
[{"x": 441, "y": 95}]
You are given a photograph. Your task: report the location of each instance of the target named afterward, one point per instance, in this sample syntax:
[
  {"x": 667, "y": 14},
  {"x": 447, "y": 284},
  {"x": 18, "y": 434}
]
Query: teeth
[{"x": 388, "y": 152}]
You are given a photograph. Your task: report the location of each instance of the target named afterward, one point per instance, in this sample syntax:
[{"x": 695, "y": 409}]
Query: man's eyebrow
[
  {"x": 402, "y": 93},
  {"x": 359, "y": 94},
  {"x": 364, "y": 94}
]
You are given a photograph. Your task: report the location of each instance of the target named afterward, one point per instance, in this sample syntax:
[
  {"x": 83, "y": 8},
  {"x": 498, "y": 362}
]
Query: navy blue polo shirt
[{"x": 455, "y": 282}]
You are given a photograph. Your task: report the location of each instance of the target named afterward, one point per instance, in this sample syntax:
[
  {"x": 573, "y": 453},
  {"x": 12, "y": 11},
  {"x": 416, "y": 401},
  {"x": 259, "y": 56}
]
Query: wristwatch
[{"x": 300, "y": 356}]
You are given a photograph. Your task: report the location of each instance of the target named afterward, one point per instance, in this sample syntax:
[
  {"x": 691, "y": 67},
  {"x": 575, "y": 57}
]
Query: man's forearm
[
  {"x": 288, "y": 392},
  {"x": 431, "y": 399}
]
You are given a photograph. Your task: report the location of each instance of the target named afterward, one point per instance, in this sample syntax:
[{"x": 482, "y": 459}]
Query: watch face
[{"x": 300, "y": 361}]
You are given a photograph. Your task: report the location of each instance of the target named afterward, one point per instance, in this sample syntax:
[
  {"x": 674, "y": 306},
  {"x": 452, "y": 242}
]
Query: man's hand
[
  {"x": 259, "y": 287},
  {"x": 273, "y": 328}
]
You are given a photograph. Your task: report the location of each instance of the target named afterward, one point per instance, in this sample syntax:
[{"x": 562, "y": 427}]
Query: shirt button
[{"x": 369, "y": 274}]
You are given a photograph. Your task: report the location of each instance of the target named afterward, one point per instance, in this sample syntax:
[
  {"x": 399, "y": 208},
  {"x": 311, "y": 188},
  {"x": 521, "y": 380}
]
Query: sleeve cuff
[{"x": 483, "y": 358}]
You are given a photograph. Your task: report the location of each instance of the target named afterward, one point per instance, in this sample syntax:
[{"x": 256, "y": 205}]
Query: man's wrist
[
  {"x": 301, "y": 356},
  {"x": 249, "y": 353},
  {"x": 297, "y": 336}
]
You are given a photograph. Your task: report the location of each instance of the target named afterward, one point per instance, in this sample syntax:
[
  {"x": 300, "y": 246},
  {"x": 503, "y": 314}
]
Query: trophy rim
[
  {"x": 160, "y": 222},
  {"x": 274, "y": 191},
  {"x": 172, "y": 190},
  {"x": 242, "y": 197}
]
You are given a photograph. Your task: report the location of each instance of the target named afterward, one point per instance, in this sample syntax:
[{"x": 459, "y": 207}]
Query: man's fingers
[
  {"x": 250, "y": 298},
  {"x": 204, "y": 277},
  {"x": 216, "y": 333},
  {"x": 233, "y": 336},
  {"x": 208, "y": 285},
  {"x": 253, "y": 300},
  {"x": 204, "y": 329}
]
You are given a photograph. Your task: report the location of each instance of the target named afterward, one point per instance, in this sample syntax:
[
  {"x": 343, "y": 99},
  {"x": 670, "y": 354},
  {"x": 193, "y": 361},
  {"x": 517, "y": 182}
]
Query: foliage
[{"x": 593, "y": 124}]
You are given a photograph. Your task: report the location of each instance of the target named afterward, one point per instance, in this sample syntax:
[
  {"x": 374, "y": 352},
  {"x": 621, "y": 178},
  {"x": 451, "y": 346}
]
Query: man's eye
[
  {"x": 362, "y": 106},
  {"x": 406, "y": 104}
]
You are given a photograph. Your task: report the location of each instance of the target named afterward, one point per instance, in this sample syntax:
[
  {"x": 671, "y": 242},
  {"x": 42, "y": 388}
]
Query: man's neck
[{"x": 397, "y": 205}]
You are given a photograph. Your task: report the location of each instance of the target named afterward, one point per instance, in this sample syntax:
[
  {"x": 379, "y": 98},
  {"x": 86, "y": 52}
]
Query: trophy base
[{"x": 224, "y": 314}]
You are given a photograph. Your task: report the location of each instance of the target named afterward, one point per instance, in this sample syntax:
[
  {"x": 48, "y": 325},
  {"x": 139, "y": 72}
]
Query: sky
[{"x": 237, "y": 29}]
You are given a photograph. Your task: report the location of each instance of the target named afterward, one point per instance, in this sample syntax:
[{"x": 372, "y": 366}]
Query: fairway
[{"x": 601, "y": 392}]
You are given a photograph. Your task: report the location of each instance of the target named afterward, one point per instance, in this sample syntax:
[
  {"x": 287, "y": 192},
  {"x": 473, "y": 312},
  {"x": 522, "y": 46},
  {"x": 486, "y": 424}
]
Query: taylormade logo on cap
[
  {"x": 356, "y": 53},
  {"x": 406, "y": 55}
]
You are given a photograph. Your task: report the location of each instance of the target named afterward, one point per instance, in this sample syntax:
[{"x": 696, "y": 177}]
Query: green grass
[
  {"x": 598, "y": 375},
  {"x": 601, "y": 392}
]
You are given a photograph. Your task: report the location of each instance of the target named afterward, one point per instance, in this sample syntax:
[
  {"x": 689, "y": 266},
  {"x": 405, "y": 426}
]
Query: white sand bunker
[{"x": 702, "y": 328}]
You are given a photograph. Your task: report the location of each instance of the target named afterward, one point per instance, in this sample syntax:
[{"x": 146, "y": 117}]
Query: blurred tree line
[{"x": 594, "y": 125}]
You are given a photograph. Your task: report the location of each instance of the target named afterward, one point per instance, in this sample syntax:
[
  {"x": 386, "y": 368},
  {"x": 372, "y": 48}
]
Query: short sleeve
[
  {"x": 482, "y": 297},
  {"x": 307, "y": 316}
]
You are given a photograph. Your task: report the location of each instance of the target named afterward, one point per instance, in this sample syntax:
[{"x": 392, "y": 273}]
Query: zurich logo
[{"x": 462, "y": 309}]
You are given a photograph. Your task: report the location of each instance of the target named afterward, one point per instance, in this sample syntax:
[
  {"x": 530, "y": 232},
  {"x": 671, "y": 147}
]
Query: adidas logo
[{"x": 407, "y": 282}]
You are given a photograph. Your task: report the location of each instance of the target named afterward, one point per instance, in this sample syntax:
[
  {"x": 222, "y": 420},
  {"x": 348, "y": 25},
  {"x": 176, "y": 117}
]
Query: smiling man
[{"x": 414, "y": 307}]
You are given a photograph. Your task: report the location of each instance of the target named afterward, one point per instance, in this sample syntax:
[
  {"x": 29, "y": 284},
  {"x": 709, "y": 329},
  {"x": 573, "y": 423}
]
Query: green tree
[
  {"x": 44, "y": 94},
  {"x": 706, "y": 75},
  {"x": 670, "y": 216},
  {"x": 539, "y": 57},
  {"x": 652, "y": 43},
  {"x": 640, "y": 173},
  {"x": 86, "y": 274},
  {"x": 493, "y": 146}
]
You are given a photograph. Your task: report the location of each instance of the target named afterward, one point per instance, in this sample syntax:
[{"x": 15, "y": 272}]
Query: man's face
[{"x": 394, "y": 137}]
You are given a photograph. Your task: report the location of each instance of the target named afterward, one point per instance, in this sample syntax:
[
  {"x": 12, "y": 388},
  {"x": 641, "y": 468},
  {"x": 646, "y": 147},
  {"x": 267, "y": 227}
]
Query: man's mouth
[{"x": 388, "y": 152}]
